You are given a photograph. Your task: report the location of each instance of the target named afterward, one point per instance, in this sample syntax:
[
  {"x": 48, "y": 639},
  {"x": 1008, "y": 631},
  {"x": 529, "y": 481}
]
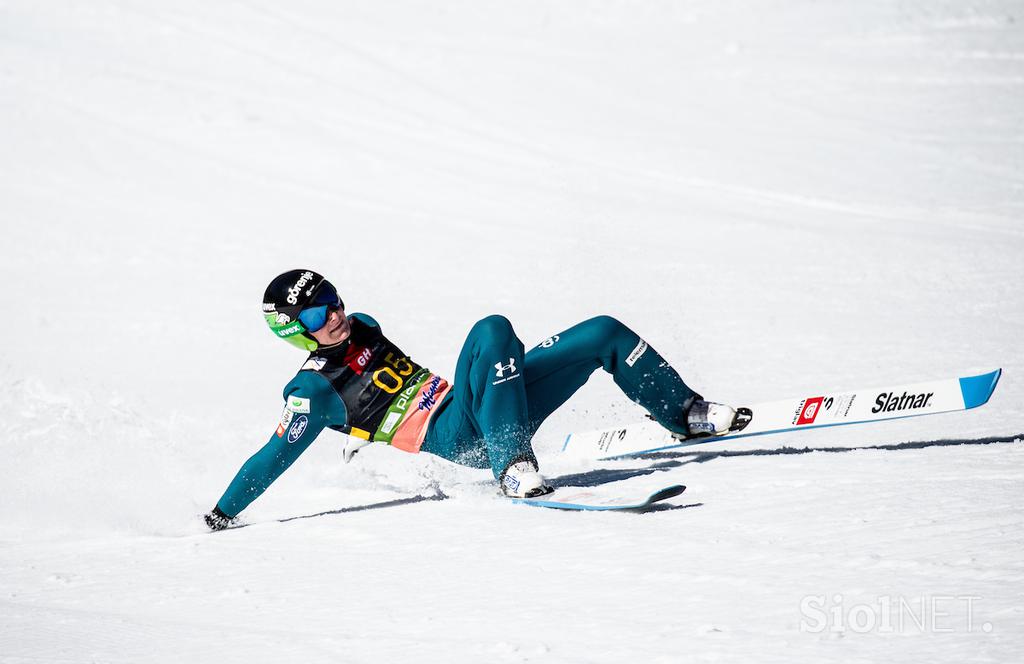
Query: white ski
[{"x": 811, "y": 412}]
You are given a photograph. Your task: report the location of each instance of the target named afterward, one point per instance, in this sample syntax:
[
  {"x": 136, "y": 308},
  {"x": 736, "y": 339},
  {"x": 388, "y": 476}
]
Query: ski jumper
[{"x": 366, "y": 387}]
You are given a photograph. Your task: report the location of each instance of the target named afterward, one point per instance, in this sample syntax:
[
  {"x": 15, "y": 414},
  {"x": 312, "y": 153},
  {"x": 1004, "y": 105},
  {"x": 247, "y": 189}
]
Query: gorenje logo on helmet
[{"x": 293, "y": 292}]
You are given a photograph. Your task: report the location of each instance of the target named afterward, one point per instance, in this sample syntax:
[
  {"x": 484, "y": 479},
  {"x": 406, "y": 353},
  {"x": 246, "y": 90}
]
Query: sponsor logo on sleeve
[
  {"x": 297, "y": 429},
  {"x": 637, "y": 353},
  {"x": 286, "y": 419},
  {"x": 298, "y": 404}
]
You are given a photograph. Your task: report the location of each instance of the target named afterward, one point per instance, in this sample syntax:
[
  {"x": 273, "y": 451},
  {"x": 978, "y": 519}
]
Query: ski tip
[
  {"x": 667, "y": 492},
  {"x": 977, "y": 389}
]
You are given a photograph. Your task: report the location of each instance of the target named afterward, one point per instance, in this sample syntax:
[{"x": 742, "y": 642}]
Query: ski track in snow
[{"x": 780, "y": 197}]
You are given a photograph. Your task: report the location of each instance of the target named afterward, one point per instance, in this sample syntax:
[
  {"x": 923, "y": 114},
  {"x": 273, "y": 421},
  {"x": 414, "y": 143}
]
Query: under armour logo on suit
[
  {"x": 500, "y": 370},
  {"x": 510, "y": 367}
]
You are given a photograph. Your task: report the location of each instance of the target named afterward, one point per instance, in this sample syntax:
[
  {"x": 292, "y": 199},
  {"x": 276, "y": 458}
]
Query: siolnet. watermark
[{"x": 936, "y": 614}]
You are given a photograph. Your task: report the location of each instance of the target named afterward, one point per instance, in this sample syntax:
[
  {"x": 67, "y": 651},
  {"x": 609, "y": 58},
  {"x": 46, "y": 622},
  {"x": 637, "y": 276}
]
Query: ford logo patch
[{"x": 296, "y": 430}]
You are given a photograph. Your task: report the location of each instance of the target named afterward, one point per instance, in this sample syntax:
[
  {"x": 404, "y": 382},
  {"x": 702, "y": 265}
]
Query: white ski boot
[
  {"x": 521, "y": 480},
  {"x": 707, "y": 418}
]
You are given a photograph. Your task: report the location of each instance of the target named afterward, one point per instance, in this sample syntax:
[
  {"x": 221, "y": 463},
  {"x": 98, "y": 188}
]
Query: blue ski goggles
[{"x": 324, "y": 300}]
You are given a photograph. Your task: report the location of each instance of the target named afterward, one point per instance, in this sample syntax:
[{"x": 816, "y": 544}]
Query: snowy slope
[{"x": 779, "y": 196}]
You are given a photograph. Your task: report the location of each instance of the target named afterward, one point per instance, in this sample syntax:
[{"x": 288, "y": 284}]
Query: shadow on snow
[
  {"x": 664, "y": 461},
  {"x": 354, "y": 508},
  {"x": 669, "y": 460}
]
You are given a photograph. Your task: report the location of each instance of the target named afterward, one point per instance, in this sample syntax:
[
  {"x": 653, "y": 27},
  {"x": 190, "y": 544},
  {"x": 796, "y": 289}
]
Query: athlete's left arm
[{"x": 311, "y": 404}]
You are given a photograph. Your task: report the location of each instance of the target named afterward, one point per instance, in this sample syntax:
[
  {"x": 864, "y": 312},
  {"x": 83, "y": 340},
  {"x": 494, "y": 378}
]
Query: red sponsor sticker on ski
[{"x": 809, "y": 411}]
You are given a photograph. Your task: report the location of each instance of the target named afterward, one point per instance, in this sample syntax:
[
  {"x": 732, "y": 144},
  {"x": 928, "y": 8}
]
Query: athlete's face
[{"x": 335, "y": 330}]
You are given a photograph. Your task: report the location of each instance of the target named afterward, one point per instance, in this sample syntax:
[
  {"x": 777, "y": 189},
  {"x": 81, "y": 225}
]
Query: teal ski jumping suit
[{"x": 366, "y": 387}]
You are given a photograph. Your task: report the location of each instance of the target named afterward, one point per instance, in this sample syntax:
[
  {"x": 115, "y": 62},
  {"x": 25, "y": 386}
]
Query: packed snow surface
[{"x": 783, "y": 198}]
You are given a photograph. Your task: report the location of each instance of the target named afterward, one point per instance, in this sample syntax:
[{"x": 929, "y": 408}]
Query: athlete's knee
[
  {"x": 606, "y": 326},
  {"x": 494, "y": 326}
]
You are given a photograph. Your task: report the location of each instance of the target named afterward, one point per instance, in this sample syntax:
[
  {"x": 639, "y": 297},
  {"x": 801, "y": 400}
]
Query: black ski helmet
[{"x": 285, "y": 298}]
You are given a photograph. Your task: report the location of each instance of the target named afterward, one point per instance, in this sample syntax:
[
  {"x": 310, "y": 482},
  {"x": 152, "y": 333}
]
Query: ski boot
[
  {"x": 217, "y": 520},
  {"x": 521, "y": 480},
  {"x": 707, "y": 418}
]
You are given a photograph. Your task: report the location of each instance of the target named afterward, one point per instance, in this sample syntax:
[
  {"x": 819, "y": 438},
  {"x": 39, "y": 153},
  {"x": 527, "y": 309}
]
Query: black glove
[{"x": 217, "y": 520}]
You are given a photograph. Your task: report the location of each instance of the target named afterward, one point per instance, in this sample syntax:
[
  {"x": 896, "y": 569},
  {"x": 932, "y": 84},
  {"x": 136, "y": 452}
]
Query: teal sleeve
[{"x": 311, "y": 404}]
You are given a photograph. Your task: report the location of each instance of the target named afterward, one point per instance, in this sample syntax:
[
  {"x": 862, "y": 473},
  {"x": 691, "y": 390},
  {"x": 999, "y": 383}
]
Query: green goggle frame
[{"x": 293, "y": 332}]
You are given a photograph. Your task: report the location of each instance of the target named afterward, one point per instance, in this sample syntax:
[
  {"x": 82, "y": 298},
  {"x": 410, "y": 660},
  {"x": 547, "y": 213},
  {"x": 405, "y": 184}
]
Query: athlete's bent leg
[
  {"x": 561, "y": 364},
  {"x": 486, "y": 422}
]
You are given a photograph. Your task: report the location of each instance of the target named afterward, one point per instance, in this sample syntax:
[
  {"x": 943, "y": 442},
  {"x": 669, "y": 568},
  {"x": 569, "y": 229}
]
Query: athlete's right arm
[{"x": 311, "y": 404}]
